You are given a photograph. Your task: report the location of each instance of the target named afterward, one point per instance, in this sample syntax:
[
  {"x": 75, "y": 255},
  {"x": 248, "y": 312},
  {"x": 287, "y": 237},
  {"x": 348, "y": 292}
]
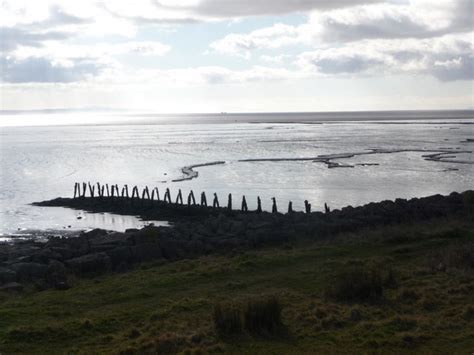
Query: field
[{"x": 397, "y": 289}]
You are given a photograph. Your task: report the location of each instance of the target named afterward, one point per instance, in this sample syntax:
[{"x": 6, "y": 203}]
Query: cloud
[
  {"x": 275, "y": 36},
  {"x": 41, "y": 70},
  {"x": 417, "y": 19},
  {"x": 447, "y": 58},
  {"x": 242, "y": 8}
]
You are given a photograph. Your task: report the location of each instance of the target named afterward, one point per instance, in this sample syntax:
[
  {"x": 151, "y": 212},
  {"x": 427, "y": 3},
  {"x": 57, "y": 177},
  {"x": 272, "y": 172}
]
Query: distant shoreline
[{"x": 121, "y": 118}]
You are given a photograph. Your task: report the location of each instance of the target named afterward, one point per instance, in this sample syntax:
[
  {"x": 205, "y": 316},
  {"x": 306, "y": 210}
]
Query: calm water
[{"x": 39, "y": 163}]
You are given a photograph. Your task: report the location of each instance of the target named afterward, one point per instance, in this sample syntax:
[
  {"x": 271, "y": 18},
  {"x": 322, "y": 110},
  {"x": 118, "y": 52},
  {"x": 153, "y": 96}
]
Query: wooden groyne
[{"x": 115, "y": 194}]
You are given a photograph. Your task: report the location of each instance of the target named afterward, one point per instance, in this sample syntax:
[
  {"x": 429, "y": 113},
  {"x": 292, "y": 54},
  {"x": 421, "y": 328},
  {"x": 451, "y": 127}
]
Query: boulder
[
  {"x": 146, "y": 252},
  {"x": 29, "y": 271},
  {"x": 12, "y": 286},
  {"x": 7, "y": 275},
  {"x": 90, "y": 263},
  {"x": 56, "y": 275}
]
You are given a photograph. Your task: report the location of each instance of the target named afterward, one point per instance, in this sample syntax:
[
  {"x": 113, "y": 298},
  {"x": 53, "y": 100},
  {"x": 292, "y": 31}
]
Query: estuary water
[{"x": 345, "y": 159}]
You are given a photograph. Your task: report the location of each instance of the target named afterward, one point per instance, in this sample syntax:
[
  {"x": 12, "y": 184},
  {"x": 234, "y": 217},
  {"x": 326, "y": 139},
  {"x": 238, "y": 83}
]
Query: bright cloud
[{"x": 111, "y": 43}]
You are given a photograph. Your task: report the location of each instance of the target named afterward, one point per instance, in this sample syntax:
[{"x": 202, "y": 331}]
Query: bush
[
  {"x": 359, "y": 284},
  {"x": 227, "y": 320},
  {"x": 263, "y": 316}
]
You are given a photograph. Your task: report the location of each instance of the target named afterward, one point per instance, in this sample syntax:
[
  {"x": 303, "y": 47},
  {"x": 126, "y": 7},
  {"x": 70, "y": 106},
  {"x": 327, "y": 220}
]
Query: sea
[{"x": 337, "y": 158}]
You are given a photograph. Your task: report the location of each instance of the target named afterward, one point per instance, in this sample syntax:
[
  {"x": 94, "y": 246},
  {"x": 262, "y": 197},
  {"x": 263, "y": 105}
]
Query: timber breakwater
[{"x": 198, "y": 231}]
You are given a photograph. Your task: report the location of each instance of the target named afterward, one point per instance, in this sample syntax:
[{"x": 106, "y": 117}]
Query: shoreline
[{"x": 199, "y": 231}]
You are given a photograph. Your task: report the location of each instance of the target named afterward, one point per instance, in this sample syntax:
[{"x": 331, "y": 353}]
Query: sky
[{"x": 237, "y": 55}]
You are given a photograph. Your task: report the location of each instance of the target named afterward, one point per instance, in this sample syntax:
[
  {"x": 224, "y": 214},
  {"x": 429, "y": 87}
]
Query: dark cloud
[
  {"x": 41, "y": 70},
  {"x": 242, "y": 8},
  {"x": 12, "y": 37},
  {"x": 457, "y": 68},
  {"x": 396, "y": 22},
  {"x": 345, "y": 64}
]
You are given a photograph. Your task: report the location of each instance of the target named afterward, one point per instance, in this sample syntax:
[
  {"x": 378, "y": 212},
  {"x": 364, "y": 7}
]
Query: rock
[
  {"x": 131, "y": 230},
  {"x": 97, "y": 232},
  {"x": 146, "y": 252},
  {"x": 90, "y": 263},
  {"x": 7, "y": 275},
  {"x": 56, "y": 275},
  {"x": 12, "y": 286},
  {"x": 29, "y": 271},
  {"x": 120, "y": 254}
]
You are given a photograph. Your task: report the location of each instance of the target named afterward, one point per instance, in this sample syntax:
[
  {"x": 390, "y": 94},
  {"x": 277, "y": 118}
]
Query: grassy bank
[{"x": 423, "y": 301}]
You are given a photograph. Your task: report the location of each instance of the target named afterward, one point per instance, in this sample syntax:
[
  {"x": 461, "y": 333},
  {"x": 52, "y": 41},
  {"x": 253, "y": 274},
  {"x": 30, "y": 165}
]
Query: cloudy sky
[{"x": 237, "y": 55}]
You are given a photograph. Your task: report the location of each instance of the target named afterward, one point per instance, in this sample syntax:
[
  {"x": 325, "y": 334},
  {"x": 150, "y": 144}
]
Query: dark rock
[
  {"x": 12, "y": 286},
  {"x": 146, "y": 252},
  {"x": 7, "y": 275},
  {"x": 90, "y": 263},
  {"x": 29, "y": 271},
  {"x": 56, "y": 276},
  {"x": 120, "y": 254}
]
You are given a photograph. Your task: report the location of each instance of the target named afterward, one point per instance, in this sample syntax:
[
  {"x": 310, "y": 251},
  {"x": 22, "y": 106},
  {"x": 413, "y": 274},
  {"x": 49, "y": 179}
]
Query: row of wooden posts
[{"x": 107, "y": 190}]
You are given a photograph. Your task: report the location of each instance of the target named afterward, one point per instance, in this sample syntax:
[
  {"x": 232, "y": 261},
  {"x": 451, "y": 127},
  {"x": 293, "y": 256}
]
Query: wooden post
[
  {"x": 99, "y": 190},
  {"x": 290, "y": 207},
  {"x": 259, "y": 205},
  {"x": 84, "y": 189},
  {"x": 229, "y": 202},
  {"x": 91, "y": 189},
  {"x": 244, "y": 204},
  {"x": 326, "y": 208},
  {"x": 179, "y": 197},
  {"x": 135, "y": 192},
  {"x": 307, "y": 206},
  {"x": 146, "y": 193},
  {"x": 203, "y": 199},
  {"x": 75, "y": 190},
  {"x": 107, "y": 190},
  {"x": 193, "y": 199},
  {"x": 215, "y": 203},
  {"x": 157, "y": 194},
  {"x": 168, "y": 195},
  {"x": 274, "y": 205},
  {"x": 102, "y": 191}
]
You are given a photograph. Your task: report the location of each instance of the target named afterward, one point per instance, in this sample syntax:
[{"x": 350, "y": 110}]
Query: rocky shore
[{"x": 196, "y": 231}]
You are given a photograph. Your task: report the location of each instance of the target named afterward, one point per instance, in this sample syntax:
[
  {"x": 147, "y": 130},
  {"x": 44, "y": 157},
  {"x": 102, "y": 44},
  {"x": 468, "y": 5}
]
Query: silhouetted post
[
  {"x": 107, "y": 190},
  {"x": 135, "y": 192},
  {"x": 146, "y": 193},
  {"x": 75, "y": 189},
  {"x": 117, "y": 190},
  {"x": 229, "y": 202},
  {"x": 290, "y": 207},
  {"x": 179, "y": 197},
  {"x": 244, "y": 204},
  {"x": 84, "y": 189},
  {"x": 274, "y": 205},
  {"x": 307, "y": 206},
  {"x": 203, "y": 199},
  {"x": 215, "y": 203},
  {"x": 326, "y": 208},
  {"x": 99, "y": 189},
  {"x": 259, "y": 204},
  {"x": 102, "y": 191},
  {"x": 157, "y": 194},
  {"x": 191, "y": 199},
  {"x": 168, "y": 195},
  {"x": 91, "y": 189}
]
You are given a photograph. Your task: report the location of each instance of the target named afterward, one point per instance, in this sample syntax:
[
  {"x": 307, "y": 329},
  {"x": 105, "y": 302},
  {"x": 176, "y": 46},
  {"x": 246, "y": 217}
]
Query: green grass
[{"x": 170, "y": 308}]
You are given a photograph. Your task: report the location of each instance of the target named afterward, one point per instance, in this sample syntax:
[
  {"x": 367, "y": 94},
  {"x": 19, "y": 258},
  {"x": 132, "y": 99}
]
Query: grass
[{"x": 171, "y": 308}]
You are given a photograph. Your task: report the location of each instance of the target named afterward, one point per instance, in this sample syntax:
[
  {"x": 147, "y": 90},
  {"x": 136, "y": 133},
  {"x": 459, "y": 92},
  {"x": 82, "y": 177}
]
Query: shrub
[
  {"x": 263, "y": 316},
  {"x": 227, "y": 320},
  {"x": 358, "y": 284}
]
